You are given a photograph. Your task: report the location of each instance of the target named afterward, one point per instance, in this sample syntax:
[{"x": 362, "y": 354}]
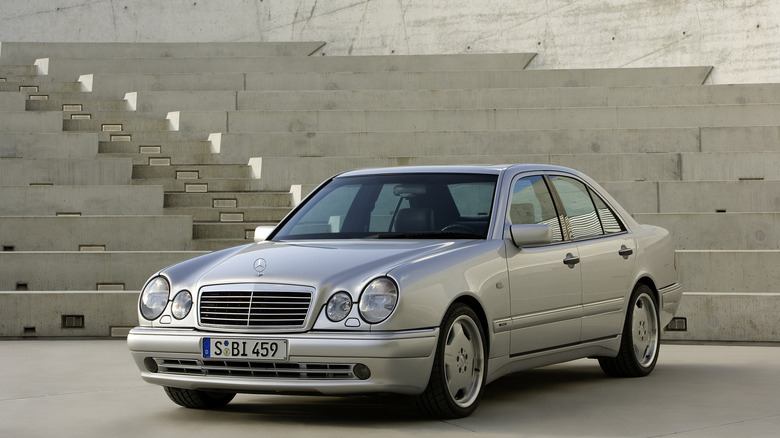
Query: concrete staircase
[{"x": 119, "y": 159}]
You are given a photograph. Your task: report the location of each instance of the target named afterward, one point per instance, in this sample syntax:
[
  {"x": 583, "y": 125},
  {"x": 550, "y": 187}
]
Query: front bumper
[{"x": 400, "y": 362}]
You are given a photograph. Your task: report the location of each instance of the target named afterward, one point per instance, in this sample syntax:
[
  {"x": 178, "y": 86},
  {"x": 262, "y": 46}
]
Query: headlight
[
  {"x": 154, "y": 298},
  {"x": 181, "y": 305},
  {"x": 338, "y": 306},
  {"x": 378, "y": 300}
]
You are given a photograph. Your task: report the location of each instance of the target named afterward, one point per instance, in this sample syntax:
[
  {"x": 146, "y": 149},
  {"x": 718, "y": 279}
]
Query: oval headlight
[
  {"x": 181, "y": 305},
  {"x": 378, "y": 300},
  {"x": 154, "y": 298},
  {"x": 339, "y": 306}
]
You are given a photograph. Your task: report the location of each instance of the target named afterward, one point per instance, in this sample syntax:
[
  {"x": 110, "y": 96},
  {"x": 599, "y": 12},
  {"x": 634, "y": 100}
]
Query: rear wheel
[
  {"x": 458, "y": 374},
  {"x": 641, "y": 338},
  {"x": 196, "y": 399}
]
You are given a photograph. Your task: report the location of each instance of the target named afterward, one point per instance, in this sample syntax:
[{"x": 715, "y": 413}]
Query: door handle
[
  {"x": 571, "y": 260},
  {"x": 625, "y": 251}
]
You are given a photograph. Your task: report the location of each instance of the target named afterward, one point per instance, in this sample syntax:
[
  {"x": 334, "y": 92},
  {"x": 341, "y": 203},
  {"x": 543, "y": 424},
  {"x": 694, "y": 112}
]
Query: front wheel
[
  {"x": 459, "y": 368},
  {"x": 641, "y": 338},
  {"x": 195, "y": 399}
]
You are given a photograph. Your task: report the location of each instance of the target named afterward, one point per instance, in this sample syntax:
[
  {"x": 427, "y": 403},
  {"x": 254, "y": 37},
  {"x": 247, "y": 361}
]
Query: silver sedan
[{"x": 427, "y": 281}]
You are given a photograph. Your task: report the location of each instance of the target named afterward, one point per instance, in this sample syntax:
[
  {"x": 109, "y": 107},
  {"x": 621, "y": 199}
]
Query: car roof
[{"x": 484, "y": 169}]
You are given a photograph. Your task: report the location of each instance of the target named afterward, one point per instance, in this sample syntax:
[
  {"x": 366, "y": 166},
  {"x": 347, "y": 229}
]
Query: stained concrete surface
[{"x": 90, "y": 388}]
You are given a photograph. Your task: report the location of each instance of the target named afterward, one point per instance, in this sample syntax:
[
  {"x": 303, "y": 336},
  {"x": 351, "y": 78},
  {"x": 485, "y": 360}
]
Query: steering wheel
[{"x": 458, "y": 228}]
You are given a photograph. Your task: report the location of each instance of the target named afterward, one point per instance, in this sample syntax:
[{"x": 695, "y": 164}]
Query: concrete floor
[{"x": 90, "y": 388}]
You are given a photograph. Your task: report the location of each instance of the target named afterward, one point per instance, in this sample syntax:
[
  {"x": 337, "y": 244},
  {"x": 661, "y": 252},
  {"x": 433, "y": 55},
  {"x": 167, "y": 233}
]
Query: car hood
[{"x": 316, "y": 263}]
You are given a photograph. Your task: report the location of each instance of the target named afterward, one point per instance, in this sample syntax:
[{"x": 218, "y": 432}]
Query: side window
[
  {"x": 609, "y": 221},
  {"x": 532, "y": 204},
  {"x": 583, "y": 219}
]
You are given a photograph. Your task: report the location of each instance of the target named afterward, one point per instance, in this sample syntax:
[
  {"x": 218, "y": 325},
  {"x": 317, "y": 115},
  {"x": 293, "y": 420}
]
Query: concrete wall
[{"x": 739, "y": 38}]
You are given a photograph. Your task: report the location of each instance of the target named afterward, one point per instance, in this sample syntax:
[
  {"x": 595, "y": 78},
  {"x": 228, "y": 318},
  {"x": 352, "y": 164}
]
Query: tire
[
  {"x": 641, "y": 338},
  {"x": 195, "y": 399},
  {"x": 459, "y": 367}
]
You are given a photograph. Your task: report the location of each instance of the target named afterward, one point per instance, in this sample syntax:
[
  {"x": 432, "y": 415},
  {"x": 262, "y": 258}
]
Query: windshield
[{"x": 437, "y": 205}]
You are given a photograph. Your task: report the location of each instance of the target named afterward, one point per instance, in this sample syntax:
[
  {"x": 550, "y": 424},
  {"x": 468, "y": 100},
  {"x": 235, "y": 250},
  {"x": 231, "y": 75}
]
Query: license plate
[{"x": 262, "y": 349}]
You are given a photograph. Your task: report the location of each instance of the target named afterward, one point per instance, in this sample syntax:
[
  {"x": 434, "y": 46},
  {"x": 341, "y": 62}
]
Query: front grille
[
  {"x": 240, "y": 306},
  {"x": 284, "y": 370}
]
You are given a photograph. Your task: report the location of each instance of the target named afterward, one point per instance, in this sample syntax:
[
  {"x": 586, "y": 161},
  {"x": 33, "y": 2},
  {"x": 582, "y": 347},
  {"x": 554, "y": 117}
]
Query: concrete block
[
  {"x": 199, "y": 121},
  {"x": 729, "y": 271},
  {"x": 731, "y": 166},
  {"x": 48, "y": 314},
  {"x": 19, "y": 122},
  {"x": 438, "y": 80},
  {"x": 719, "y": 94},
  {"x": 239, "y": 147},
  {"x": 39, "y": 89},
  {"x": 237, "y": 214},
  {"x": 82, "y": 271},
  {"x": 203, "y": 185},
  {"x": 60, "y": 145},
  {"x": 70, "y": 105},
  {"x": 227, "y": 231},
  {"x": 718, "y": 196},
  {"x": 83, "y": 200},
  {"x": 65, "y": 171},
  {"x": 97, "y": 233},
  {"x": 118, "y": 123},
  {"x": 741, "y": 138},
  {"x": 719, "y": 231},
  {"x": 634, "y": 196},
  {"x": 728, "y": 317},
  {"x": 28, "y": 52}
]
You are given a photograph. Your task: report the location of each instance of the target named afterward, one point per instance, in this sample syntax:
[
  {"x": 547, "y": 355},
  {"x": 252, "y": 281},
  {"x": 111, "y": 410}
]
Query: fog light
[
  {"x": 151, "y": 365},
  {"x": 361, "y": 371}
]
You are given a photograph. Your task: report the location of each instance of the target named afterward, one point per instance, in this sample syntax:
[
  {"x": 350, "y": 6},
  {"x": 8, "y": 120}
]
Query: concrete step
[
  {"x": 108, "y": 270},
  {"x": 696, "y": 196},
  {"x": 741, "y": 138},
  {"x": 192, "y": 171},
  {"x": 96, "y": 233},
  {"x": 61, "y": 68},
  {"x": 117, "y": 85},
  {"x": 21, "y": 69},
  {"x": 729, "y": 271},
  {"x": 226, "y": 230},
  {"x": 38, "y": 88},
  {"x": 217, "y": 244},
  {"x": 551, "y": 97},
  {"x": 731, "y": 166},
  {"x": 279, "y": 173},
  {"x": 59, "y": 145},
  {"x": 151, "y": 137},
  {"x": 28, "y": 52},
  {"x": 719, "y": 231},
  {"x": 727, "y": 317},
  {"x": 160, "y": 103},
  {"x": 81, "y": 200},
  {"x": 177, "y": 158},
  {"x": 20, "y": 122},
  {"x": 202, "y": 185},
  {"x": 502, "y": 119},
  {"x": 227, "y": 215},
  {"x": 82, "y": 105},
  {"x": 12, "y": 102},
  {"x": 150, "y": 148},
  {"x": 438, "y": 80},
  {"x": 65, "y": 171},
  {"x": 116, "y": 125},
  {"x": 229, "y": 200},
  {"x": 239, "y": 147}
]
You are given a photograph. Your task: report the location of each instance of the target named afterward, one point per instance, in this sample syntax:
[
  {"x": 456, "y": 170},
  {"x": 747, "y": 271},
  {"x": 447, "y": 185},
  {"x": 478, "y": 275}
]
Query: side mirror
[
  {"x": 530, "y": 234},
  {"x": 262, "y": 232}
]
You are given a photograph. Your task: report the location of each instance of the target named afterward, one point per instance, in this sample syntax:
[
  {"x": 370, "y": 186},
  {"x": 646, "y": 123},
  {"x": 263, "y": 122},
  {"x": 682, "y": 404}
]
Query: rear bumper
[
  {"x": 670, "y": 301},
  {"x": 399, "y": 362}
]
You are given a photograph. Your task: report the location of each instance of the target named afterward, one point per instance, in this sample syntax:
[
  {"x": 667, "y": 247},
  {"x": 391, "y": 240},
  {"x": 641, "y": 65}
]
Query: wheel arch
[
  {"x": 647, "y": 281},
  {"x": 474, "y": 304}
]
